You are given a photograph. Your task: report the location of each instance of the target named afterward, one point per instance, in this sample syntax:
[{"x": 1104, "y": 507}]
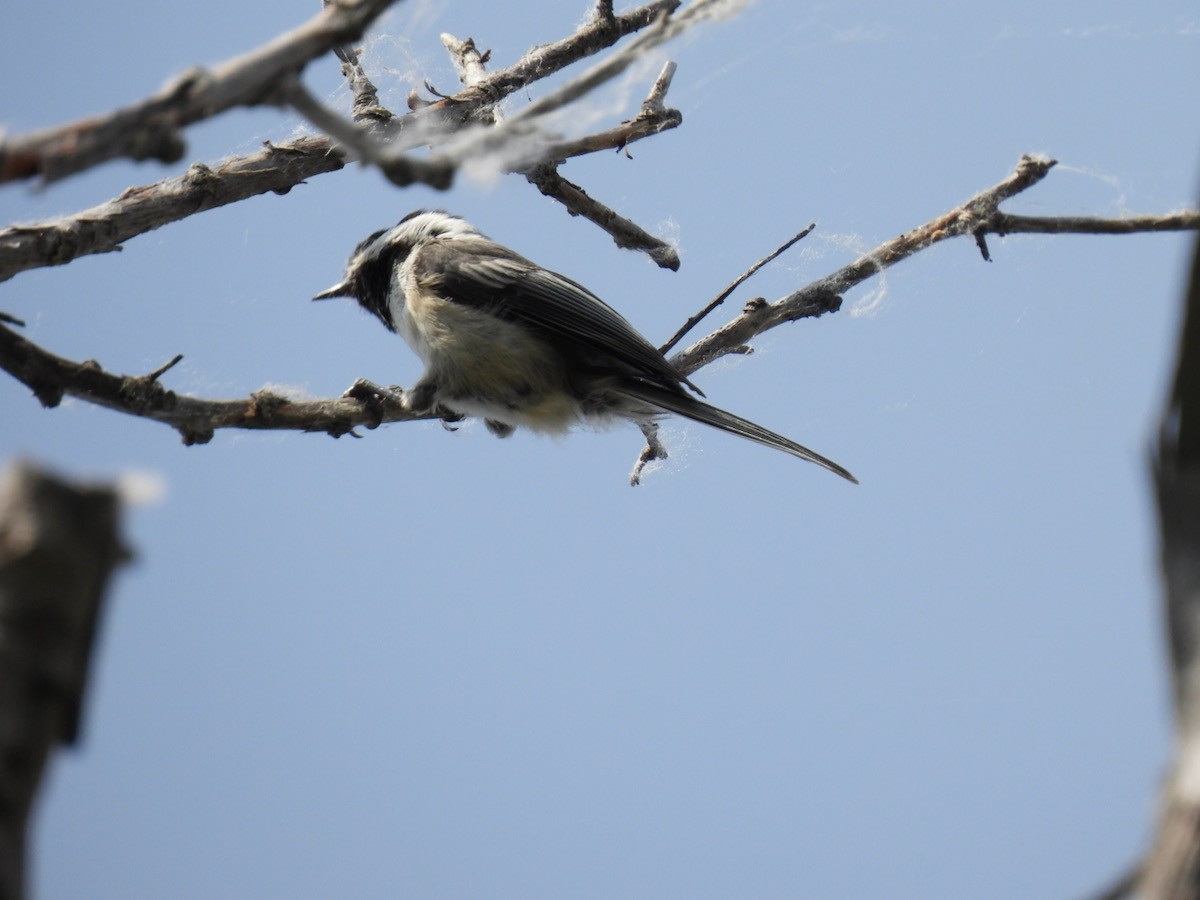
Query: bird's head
[{"x": 371, "y": 268}]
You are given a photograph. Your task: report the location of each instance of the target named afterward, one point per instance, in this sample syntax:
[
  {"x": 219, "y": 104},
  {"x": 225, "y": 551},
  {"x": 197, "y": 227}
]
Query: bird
[{"x": 518, "y": 345}]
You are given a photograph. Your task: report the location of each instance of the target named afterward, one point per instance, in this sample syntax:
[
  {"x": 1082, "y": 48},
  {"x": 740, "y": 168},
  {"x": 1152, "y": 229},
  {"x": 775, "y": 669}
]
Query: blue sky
[{"x": 442, "y": 665}]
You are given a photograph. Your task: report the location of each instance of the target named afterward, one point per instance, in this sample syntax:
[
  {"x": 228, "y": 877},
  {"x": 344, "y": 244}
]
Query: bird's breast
[{"x": 483, "y": 365}]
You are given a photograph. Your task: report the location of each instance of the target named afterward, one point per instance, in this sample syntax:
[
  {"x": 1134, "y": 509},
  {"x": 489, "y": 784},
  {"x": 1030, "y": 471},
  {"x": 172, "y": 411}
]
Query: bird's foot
[
  {"x": 654, "y": 450},
  {"x": 379, "y": 401}
]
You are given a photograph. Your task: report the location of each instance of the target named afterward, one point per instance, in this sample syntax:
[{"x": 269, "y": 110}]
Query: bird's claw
[{"x": 376, "y": 400}]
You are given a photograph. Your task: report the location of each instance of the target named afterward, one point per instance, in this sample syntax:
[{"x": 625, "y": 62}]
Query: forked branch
[{"x": 977, "y": 217}]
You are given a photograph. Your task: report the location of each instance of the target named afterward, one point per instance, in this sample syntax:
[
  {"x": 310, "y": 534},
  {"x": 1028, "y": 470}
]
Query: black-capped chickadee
[{"x": 507, "y": 340}]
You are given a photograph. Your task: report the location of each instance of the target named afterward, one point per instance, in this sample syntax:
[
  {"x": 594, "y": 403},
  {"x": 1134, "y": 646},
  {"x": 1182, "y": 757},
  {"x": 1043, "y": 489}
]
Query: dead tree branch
[
  {"x": 664, "y": 28},
  {"x": 367, "y": 110},
  {"x": 280, "y": 167},
  {"x": 626, "y": 234},
  {"x": 58, "y": 546},
  {"x": 151, "y": 129},
  {"x": 472, "y": 70},
  {"x": 653, "y": 117},
  {"x": 593, "y": 36},
  {"x": 103, "y": 229},
  {"x": 401, "y": 169},
  {"x": 695, "y": 320},
  {"x": 276, "y": 169},
  {"x": 978, "y": 217},
  {"x": 51, "y": 377}
]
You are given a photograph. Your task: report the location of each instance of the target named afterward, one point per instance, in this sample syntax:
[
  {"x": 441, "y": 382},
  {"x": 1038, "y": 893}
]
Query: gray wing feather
[{"x": 487, "y": 275}]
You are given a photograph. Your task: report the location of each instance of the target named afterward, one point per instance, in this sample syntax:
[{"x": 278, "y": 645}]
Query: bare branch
[
  {"x": 977, "y": 216},
  {"x": 367, "y": 111},
  {"x": 151, "y": 128},
  {"x": 400, "y": 169},
  {"x": 530, "y": 150},
  {"x": 277, "y": 168},
  {"x": 520, "y": 146},
  {"x": 538, "y": 161},
  {"x": 730, "y": 288},
  {"x": 625, "y": 234},
  {"x": 102, "y": 229},
  {"x": 527, "y": 147},
  {"x": 665, "y": 27},
  {"x": 1004, "y": 223},
  {"x": 619, "y": 138},
  {"x": 467, "y": 59},
  {"x": 472, "y": 70},
  {"x": 595, "y": 35},
  {"x": 52, "y": 377},
  {"x": 658, "y": 91}
]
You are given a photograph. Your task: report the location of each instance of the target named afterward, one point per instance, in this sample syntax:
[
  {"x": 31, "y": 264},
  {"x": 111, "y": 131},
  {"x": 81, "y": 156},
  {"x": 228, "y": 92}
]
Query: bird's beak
[{"x": 341, "y": 289}]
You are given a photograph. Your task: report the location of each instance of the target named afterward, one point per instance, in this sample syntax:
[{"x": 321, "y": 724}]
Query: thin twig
[
  {"x": 653, "y": 117},
  {"x": 658, "y": 90},
  {"x": 1006, "y": 223},
  {"x": 447, "y": 114},
  {"x": 665, "y": 28},
  {"x": 625, "y": 233},
  {"x": 730, "y": 288},
  {"x": 164, "y": 368},
  {"x": 519, "y": 148},
  {"x": 617, "y": 138}
]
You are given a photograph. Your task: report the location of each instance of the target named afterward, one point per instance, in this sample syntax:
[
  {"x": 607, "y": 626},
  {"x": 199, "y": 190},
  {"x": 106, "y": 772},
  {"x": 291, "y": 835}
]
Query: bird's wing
[{"x": 489, "y": 276}]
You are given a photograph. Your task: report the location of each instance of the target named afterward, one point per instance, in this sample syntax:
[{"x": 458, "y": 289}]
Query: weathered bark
[{"x": 59, "y": 544}]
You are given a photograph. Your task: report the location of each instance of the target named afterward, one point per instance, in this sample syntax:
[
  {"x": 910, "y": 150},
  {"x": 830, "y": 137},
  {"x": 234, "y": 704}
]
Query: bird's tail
[{"x": 699, "y": 411}]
